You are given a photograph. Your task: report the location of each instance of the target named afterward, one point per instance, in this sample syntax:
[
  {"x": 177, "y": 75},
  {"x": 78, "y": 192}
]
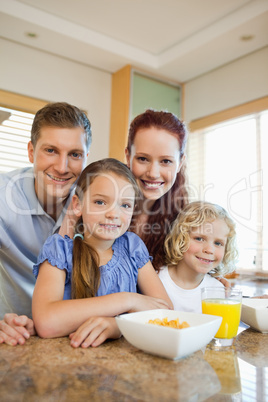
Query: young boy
[{"x": 33, "y": 202}]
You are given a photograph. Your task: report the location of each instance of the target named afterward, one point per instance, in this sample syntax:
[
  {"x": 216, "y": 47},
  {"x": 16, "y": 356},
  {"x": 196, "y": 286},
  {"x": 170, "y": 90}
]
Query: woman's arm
[
  {"x": 54, "y": 317},
  {"x": 150, "y": 284}
]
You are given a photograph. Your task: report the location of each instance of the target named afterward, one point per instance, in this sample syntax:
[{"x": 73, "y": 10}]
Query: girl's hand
[
  {"x": 94, "y": 331},
  {"x": 141, "y": 302},
  {"x": 16, "y": 329},
  {"x": 225, "y": 282}
]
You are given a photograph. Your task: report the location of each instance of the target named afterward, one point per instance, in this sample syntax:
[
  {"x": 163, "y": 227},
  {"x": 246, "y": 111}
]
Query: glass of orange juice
[{"x": 226, "y": 303}]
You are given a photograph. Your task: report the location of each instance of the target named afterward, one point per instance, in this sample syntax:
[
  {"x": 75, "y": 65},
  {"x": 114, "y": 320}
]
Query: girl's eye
[
  {"x": 126, "y": 206},
  {"x": 198, "y": 238},
  {"x": 99, "y": 202}
]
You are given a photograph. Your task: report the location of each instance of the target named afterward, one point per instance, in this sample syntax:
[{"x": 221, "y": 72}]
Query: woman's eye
[
  {"x": 141, "y": 159},
  {"x": 166, "y": 161}
]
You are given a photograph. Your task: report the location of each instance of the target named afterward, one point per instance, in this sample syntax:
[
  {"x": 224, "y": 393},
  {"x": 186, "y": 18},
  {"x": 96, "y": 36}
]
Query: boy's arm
[{"x": 150, "y": 284}]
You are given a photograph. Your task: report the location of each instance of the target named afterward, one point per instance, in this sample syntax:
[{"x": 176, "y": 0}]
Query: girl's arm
[
  {"x": 150, "y": 284},
  {"x": 54, "y": 317}
]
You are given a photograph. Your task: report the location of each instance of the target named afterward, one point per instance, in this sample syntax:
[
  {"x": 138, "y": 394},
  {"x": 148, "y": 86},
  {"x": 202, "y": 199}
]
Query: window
[
  {"x": 228, "y": 165},
  {"x": 15, "y": 133}
]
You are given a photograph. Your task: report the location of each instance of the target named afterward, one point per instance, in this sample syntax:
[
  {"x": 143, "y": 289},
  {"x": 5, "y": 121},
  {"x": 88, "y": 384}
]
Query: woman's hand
[
  {"x": 94, "y": 331},
  {"x": 140, "y": 302},
  {"x": 16, "y": 329}
]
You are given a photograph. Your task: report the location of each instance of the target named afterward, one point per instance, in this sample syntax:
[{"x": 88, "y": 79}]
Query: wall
[
  {"x": 236, "y": 83},
  {"x": 30, "y": 72}
]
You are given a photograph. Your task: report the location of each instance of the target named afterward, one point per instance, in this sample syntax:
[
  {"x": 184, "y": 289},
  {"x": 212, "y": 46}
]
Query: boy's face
[
  {"x": 59, "y": 157},
  {"x": 207, "y": 246}
]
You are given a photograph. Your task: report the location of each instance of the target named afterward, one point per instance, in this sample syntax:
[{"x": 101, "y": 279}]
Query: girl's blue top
[{"x": 120, "y": 274}]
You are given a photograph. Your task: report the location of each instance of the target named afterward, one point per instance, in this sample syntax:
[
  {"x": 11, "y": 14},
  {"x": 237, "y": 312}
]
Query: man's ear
[
  {"x": 127, "y": 157},
  {"x": 31, "y": 152},
  {"x": 77, "y": 207}
]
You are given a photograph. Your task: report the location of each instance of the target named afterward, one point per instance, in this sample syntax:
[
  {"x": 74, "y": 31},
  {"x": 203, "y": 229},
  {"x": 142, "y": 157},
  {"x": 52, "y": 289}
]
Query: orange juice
[{"x": 229, "y": 310}]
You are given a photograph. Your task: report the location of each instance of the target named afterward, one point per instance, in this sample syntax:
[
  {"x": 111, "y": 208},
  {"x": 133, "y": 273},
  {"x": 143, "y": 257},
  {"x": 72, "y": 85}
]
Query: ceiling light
[
  {"x": 246, "y": 38},
  {"x": 31, "y": 35}
]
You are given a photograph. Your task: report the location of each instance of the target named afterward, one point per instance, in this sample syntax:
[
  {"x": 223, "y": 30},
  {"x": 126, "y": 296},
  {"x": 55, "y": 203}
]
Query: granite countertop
[{"x": 51, "y": 370}]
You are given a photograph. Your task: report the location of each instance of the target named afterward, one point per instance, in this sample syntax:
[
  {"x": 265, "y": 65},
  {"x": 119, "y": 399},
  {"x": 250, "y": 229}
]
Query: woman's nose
[{"x": 154, "y": 171}]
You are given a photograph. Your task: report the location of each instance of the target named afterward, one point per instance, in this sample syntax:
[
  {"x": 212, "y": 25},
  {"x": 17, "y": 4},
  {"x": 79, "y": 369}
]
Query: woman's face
[{"x": 154, "y": 159}]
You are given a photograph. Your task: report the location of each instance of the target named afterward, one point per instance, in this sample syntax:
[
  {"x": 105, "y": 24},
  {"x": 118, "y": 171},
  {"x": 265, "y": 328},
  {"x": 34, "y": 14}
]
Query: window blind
[{"x": 15, "y": 133}]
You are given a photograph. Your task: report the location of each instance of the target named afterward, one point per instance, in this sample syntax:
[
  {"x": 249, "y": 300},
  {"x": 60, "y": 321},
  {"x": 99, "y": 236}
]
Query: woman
[{"x": 155, "y": 154}]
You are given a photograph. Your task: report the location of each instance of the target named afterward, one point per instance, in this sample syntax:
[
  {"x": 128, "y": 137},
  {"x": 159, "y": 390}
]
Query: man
[{"x": 33, "y": 202}]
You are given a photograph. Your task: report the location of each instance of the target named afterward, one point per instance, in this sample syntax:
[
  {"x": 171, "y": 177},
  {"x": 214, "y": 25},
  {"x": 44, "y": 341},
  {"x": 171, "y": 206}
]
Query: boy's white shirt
[{"x": 186, "y": 299}]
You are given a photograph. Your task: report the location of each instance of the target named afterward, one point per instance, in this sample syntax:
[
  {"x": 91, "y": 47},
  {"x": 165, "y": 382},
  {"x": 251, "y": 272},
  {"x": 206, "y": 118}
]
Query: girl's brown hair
[
  {"x": 86, "y": 274},
  {"x": 192, "y": 216},
  {"x": 164, "y": 210}
]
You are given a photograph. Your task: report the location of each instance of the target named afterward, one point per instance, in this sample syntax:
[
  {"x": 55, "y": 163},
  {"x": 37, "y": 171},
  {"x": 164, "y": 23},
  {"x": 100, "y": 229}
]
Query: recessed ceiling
[{"x": 176, "y": 39}]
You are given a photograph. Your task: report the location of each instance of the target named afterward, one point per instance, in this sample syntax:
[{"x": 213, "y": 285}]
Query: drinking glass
[{"x": 226, "y": 303}]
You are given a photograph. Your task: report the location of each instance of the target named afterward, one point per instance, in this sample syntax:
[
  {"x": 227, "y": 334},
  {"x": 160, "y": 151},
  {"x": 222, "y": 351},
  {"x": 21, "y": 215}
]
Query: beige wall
[
  {"x": 236, "y": 83},
  {"x": 30, "y": 72}
]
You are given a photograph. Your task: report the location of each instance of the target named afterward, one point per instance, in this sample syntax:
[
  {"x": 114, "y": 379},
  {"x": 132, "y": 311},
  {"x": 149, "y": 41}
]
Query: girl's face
[
  {"x": 107, "y": 207},
  {"x": 207, "y": 246},
  {"x": 154, "y": 159}
]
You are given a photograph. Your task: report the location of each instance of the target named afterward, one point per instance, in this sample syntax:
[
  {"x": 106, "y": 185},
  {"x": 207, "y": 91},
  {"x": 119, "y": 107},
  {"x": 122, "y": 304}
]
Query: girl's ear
[
  {"x": 77, "y": 207},
  {"x": 127, "y": 157}
]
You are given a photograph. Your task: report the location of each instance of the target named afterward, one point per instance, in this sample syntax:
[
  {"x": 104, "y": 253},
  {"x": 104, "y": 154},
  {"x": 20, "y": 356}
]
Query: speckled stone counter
[{"x": 51, "y": 370}]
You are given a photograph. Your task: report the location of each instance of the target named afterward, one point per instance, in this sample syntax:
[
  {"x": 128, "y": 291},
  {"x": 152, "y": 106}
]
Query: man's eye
[
  {"x": 76, "y": 155},
  {"x": 50, "y": 150}
]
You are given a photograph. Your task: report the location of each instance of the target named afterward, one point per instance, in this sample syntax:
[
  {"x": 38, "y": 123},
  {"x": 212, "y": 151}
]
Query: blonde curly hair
[{"x": 192, "y": 216}]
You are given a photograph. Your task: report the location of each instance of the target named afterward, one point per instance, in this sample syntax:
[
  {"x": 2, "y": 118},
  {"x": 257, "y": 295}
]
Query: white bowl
[
  {"x": 164, "y": 341},
  {"x": 255, "y": 313}
]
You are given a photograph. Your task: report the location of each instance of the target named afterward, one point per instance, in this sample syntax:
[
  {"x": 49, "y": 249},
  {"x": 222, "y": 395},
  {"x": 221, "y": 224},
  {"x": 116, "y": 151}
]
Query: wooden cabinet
[{"x": 133, "y": 92}]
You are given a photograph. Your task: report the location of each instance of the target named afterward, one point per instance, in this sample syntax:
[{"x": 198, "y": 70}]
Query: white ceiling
[{"x": 176, "y": 39}]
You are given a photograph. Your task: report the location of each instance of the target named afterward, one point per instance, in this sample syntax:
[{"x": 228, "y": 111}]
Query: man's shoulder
[{"x": 16, "y": 176}]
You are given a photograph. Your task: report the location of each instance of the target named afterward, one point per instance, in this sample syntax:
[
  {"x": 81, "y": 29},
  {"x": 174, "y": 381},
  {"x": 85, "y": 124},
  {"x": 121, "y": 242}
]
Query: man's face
[{"x": 59, "y": 157}]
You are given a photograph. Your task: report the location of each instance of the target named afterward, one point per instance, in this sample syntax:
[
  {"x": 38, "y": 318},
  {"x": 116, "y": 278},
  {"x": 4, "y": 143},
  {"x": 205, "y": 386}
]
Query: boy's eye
[{"x": 219, "y": 243}]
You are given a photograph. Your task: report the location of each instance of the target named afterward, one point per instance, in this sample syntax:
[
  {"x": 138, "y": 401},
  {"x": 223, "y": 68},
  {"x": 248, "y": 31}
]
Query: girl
[
  {"x": 102, "y": 260},
  {"x": 201, "y": 241},
  {"x": 155, "y": 155}
]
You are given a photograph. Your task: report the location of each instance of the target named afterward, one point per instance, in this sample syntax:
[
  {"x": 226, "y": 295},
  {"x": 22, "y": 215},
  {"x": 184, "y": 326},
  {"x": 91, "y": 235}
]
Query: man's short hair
[{"x": 63, "y": 115}]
